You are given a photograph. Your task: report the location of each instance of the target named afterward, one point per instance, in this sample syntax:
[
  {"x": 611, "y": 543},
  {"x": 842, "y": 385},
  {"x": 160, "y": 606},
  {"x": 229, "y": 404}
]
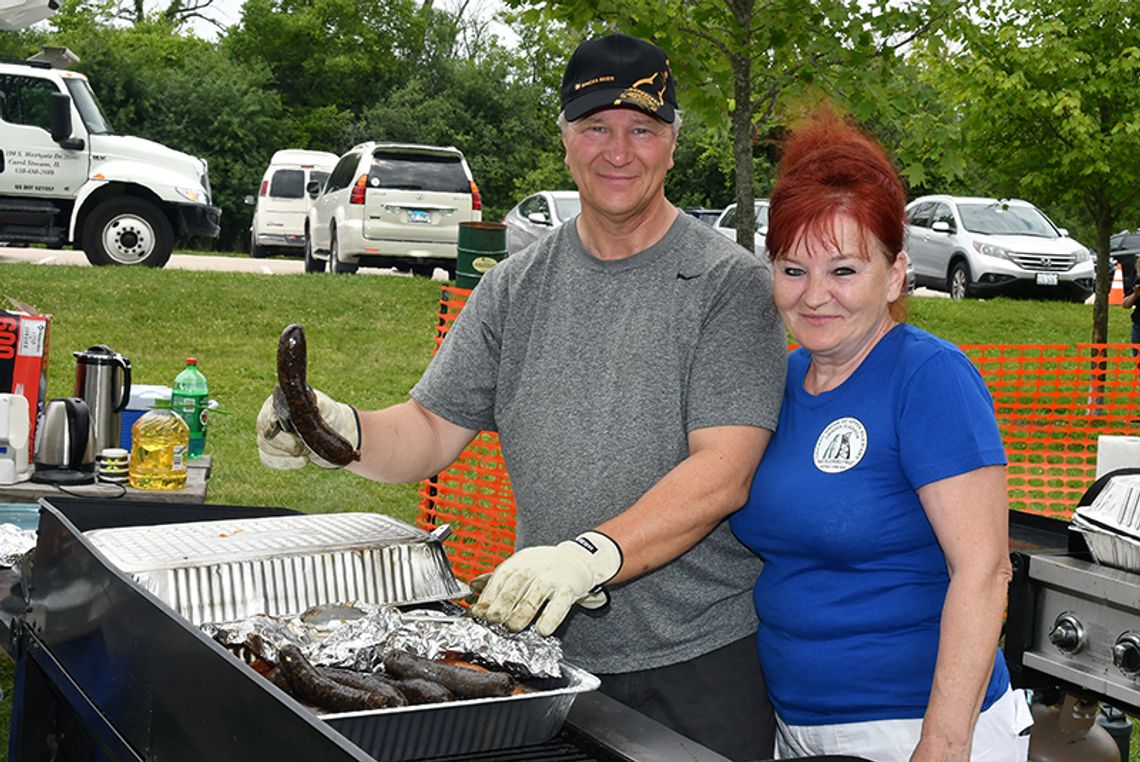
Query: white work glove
[
  {"x": 280, "y": 448},
  {"x": 558, "y": 576}
]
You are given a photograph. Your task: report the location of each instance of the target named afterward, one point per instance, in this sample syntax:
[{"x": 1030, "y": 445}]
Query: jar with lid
[{"x": 160, "y": 440}]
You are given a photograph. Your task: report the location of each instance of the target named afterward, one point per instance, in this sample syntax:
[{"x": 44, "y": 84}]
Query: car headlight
[
  {"x": 1082, "y": 255},
  {"x": 991, "y": 250},
  {"x": 196, "y": 195}
]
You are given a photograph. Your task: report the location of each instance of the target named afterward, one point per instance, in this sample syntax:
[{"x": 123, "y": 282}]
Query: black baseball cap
[{"x": 618, "y": 70}]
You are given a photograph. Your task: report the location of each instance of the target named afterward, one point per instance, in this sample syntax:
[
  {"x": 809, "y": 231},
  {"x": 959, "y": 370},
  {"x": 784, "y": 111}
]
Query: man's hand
[
  {"x": 558, "y": 576},
  {"x": 281, "y": 448}
]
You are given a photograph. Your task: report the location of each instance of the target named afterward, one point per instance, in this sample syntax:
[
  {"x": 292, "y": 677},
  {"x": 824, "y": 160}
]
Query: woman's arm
[{"x": 970, "y": 517}]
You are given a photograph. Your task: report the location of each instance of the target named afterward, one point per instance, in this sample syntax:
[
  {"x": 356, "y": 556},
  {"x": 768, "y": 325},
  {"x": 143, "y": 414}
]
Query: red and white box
[{"x": 23, "y": 361}]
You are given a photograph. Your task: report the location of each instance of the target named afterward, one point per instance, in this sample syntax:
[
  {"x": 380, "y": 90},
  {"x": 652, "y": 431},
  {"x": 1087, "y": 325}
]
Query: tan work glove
[
  {"x": 559, "y": 576},
  {"x": 281, "y": 448}
]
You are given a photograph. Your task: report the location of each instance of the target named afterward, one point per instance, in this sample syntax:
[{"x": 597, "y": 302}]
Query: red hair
[{"x": 828, "y": 168}]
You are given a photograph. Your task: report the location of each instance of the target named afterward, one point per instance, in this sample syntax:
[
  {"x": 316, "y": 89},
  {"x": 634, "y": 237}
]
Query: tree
[
  {"x": 745, "y": 56},
  {"x": 173, "y": 12},
  {"x": 341, "y": 53},
  {"x": 1049, "y": 96}
]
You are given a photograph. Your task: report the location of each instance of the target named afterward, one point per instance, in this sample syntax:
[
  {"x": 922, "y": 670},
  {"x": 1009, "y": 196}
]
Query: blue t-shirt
[{"x": 854, "y": 580}]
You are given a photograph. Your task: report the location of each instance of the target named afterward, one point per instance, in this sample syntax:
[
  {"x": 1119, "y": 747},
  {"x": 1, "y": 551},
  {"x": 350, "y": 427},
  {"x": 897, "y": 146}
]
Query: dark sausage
[
  {"x": 420, "y": 691},
  {"x": 415, "y": 691},
  {"x": 308, "y": 684},
  {"x": 277, "y": 677},
  {"x": 463, "y": 682},
  {"x": 302, "y": 403},
  {"x": 390, "y": 693}
]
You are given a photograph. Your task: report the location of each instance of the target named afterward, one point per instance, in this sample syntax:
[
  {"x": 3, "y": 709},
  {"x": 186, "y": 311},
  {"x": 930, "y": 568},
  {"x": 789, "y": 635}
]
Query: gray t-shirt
[{"x": 593, "y": 372}]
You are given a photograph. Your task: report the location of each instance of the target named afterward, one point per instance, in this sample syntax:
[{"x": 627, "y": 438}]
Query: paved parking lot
[{"x": 268, "y": 266}]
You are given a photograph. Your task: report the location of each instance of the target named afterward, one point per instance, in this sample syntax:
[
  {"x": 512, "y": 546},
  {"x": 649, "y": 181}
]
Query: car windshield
[
  {"x": 567, "y": 207},
  {"x": 88, "y": 107},
  {"x": 1006, "y": 219},
  {"x": 417, "y": 171}
]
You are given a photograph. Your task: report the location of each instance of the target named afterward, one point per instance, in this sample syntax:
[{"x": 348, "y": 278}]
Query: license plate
[
  {"x": 419, "y": 215},
  {"x": 1046, "y": 279}
]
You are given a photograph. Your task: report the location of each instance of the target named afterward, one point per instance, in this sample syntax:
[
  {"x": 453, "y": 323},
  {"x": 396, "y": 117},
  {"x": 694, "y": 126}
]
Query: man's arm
[
  {"x": 402, "y": 443},
  {"x": 542, "y": 583},
  {"x": 407, "y": 443},
  {"x": 1130, "y": 298},
  {"x": 688, "y": 503}
]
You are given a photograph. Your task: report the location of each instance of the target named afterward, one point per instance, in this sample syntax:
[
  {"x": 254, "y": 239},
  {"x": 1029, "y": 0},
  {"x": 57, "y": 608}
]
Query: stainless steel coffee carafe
[{"x": 103, "y": 381}]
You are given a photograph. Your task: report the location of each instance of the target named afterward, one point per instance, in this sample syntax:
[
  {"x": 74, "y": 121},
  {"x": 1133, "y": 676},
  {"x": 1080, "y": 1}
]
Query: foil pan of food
[
  {"x": 231, "y": 569},
  {"x": 1110, "y": 524},
  {"x": 413, "y": 684}
]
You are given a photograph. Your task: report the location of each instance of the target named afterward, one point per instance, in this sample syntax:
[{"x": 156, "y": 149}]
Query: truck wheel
[
  {"x": 336, "y": 267},
  {"x": 256, "y": 251},
  {"x": 312, "y": 264},
  {"x": 128, "y": 231}
]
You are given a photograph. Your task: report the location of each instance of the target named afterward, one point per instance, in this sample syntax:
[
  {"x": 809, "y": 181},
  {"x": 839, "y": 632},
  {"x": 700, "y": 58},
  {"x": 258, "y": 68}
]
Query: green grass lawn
[{"x": 369, "y": 340}]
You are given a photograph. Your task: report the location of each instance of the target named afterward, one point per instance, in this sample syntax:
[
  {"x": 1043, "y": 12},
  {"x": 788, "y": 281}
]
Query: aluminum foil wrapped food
[
  {"x": 15, "y": 543},
  {"x": 359, "y": 636}
]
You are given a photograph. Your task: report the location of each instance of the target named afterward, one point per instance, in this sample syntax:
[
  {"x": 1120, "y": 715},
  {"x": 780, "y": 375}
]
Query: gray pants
[{"x": 719, "y": 700}]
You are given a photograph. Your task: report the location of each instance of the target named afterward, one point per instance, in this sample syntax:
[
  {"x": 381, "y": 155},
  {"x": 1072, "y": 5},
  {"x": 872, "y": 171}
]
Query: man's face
[{"x": 618, "y": 158}]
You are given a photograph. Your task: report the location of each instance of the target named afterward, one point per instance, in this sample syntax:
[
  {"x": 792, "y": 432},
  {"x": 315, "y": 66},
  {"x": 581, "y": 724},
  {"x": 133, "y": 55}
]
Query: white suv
[
  {"x": 977, "y": 246},
  {"x": 391, "y": 205}
]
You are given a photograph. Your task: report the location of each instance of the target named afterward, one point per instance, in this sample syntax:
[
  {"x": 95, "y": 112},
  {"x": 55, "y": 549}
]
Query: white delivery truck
[{"x": 66, "y": 178}]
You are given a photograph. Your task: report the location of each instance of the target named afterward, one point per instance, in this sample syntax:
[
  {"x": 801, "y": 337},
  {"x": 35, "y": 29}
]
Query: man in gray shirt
[{"x": 633, "y": 364}]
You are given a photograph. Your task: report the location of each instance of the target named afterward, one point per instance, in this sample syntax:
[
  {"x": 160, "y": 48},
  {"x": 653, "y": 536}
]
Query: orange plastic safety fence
[
  {"x": 1052, "y": 402},
  {"x": 473, "y": 494}
]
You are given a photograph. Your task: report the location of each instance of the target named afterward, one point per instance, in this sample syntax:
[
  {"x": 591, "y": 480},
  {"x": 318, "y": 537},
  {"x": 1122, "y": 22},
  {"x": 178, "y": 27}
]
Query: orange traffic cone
[{"x": 1116, "y": 293}]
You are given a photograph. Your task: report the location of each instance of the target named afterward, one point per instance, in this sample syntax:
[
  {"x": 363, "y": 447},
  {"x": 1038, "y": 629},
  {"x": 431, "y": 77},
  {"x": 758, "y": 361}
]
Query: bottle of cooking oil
[{"x": 159, "y": 443}]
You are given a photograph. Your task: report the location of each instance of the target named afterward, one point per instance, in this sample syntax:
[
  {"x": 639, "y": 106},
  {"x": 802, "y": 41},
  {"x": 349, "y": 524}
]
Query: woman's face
[{"x": 833, "y": 294}]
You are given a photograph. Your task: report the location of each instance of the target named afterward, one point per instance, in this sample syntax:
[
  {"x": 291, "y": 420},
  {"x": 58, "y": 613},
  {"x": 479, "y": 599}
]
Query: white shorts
[{"x": 1000, "y": 735}]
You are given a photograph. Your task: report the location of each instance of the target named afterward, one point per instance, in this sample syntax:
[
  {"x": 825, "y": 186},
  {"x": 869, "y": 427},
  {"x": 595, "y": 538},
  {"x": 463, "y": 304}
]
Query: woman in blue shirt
[{"x": 880, "y": 505}]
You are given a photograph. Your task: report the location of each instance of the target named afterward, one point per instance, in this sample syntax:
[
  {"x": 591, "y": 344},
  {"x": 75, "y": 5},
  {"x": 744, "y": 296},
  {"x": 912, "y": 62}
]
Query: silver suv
[
  {"x": 980, "y": 246},
  {"x": 391, "y": 205}
]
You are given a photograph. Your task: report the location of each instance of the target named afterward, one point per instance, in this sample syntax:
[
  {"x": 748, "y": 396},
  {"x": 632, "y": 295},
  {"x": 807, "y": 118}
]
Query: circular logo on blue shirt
[{"x": 841, "y": 445}]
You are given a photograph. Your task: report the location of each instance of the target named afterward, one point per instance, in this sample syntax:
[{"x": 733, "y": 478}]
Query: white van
[{"x": 280, "y": 207}]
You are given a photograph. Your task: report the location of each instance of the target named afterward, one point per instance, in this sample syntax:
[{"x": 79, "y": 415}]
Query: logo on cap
[{"x": 641, "y": 99}]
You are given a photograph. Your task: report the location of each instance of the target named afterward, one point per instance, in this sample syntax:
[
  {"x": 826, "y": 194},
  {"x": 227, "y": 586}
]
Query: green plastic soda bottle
[{"x": 190, "y": 399}]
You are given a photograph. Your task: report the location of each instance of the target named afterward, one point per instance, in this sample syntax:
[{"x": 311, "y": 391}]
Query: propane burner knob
[
  {"x": 1068, "y": 634},
  {"x": 1126, "y": 653}
]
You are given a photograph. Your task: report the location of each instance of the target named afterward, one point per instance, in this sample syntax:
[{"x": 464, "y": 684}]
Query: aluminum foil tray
[
  {"x": 1109, "y": 548},
  {"x": 224, "y": 571},
  {"x": 466, "y": 726},
  {"x": 1111, "y": 523}
]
